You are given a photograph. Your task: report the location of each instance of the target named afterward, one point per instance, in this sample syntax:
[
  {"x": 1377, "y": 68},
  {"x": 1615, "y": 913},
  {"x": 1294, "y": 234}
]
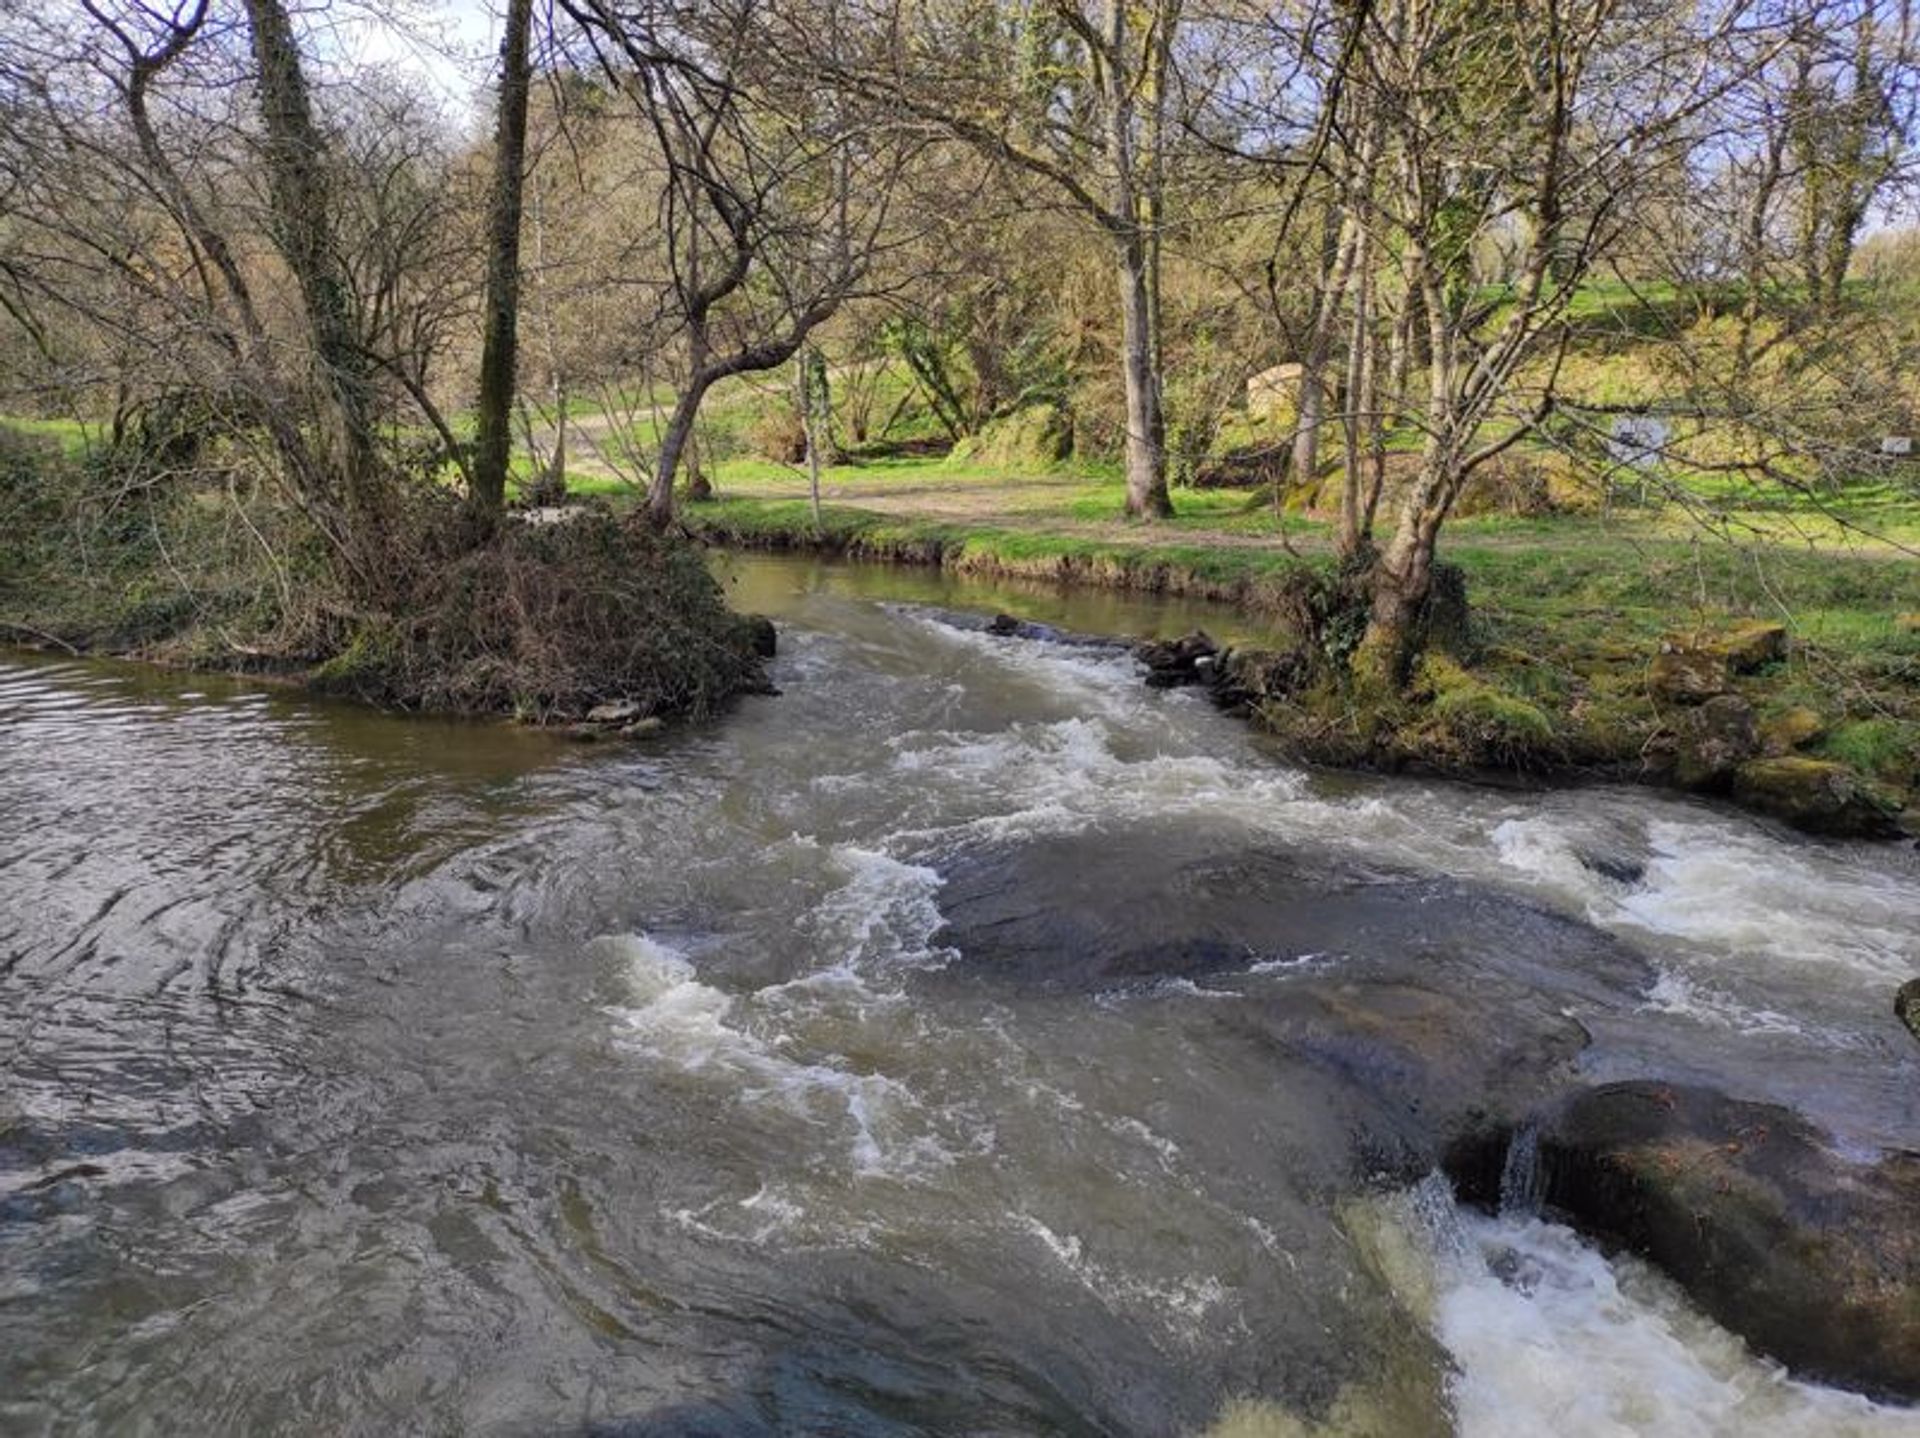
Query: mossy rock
[
  {"x": 1484, "y": 722},
  {"x": 1712, "y": 741},
  {"x": 1808, "y": 1254},
  {"x": 1687, "y": 676},
  {"x": 1571, "y": 490},
  {"x": 1037, "y": 437},
  {"x": 1816, "y": 795},
  {"x": 1789, "y": 730},
  {"x": 1752, "y": 645},
  {"x": 1906, "y": 1006}
]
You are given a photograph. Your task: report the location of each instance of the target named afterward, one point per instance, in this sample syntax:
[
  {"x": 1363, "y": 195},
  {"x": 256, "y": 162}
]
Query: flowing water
[{"x": 368, "y": 1075}]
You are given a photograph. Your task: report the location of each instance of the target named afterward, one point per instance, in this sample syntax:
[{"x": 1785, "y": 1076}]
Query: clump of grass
[
  {"x": 1481, "y": 721},
  {"x": 1882, "y": 748}
]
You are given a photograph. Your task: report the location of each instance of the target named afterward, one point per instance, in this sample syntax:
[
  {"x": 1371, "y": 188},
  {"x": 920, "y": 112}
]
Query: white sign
[
  {"x": 1637, "y": 439},
  {"x": 1901, "y": 444}
]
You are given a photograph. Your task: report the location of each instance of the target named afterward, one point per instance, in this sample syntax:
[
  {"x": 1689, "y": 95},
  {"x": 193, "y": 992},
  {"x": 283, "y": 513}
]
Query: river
[{"x": 368, "y": 1074}]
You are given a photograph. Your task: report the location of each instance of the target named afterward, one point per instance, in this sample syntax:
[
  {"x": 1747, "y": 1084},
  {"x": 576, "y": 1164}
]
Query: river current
[{"x": 367, "y": 1074}]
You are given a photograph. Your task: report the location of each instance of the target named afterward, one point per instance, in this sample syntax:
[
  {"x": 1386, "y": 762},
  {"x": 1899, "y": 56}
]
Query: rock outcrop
[
  {"x": 1906, "y": 1006},
  {"x": 1172, "y": 663},
  {"x": 1711, "y": 741},
  {"x": 1817, "y": 795},
  {"x": 1809, "y": 1253},
  {"x": 1687, "y": 676}
]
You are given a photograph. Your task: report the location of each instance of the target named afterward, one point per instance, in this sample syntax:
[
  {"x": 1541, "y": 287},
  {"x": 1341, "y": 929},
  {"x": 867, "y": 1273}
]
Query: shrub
[{"x": 547, "y": 620}]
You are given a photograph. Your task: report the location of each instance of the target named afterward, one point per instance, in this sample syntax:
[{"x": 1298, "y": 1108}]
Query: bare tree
[
  {"x": 1550, "y": 117},
  {"x": 774, "y": 200},
  {"x": 226, "y": 245},
  {"x": 1082, "y": 98},
  {"x": 493, "y": 443}
]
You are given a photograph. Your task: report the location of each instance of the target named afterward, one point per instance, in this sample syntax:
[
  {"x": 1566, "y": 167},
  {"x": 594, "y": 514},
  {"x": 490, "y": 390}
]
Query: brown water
[{"x": 367, "y": 1074}]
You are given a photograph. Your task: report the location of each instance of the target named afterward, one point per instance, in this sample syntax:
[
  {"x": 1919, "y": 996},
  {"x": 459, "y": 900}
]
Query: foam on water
[
  {"x": 1549, "y": 1336},
  {"x": 884, "y": 915},
  {"x": 1189, "y": 1308},
  {"x": 1719, "y": 883},
  {"x": 693, "y": 1028},
  {"x": 1725, "y": 885},
  {"x": 1675, "y": 993},
  {"x": 1097, "y": 678}
]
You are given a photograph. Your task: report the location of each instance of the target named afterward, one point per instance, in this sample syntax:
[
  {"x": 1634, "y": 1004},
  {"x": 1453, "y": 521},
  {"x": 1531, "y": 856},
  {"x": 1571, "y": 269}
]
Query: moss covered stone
[
  {"x": 1037, "y": 437},
  {"x": 1712, "y": 740},
  {"x": 1789, "y": 730},
  {"x": 1816, "y": 795},
  {"x": 1687, "y": 676},
  {"x": 1906, "y": 1006},
  {"x": 1751, "y": 645}
]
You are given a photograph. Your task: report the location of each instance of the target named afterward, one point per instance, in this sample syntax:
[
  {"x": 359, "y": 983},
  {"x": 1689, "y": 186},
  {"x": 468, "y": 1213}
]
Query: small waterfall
[{"x": 1523, "y": 1187}]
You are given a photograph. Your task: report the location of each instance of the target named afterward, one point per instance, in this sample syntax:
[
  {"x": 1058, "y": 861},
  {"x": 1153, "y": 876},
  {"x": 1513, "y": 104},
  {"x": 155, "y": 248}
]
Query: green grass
[{"x": 74, "y": 437}]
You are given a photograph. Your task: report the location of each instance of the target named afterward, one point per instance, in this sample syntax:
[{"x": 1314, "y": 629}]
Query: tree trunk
[
  {"x": 500, "y": 344},
  {"x": 1146, "y": 423},
  {"x": 1403, "y": 578},
  {"x": 1360, "y": 416},
  {"x": 673, "y": 447},
  {"x": 303, "y": 230},
  {"x": 1310, "y": 414},
  {"x": 818, "y": 397},
  {"x": 557, "y": 465}
]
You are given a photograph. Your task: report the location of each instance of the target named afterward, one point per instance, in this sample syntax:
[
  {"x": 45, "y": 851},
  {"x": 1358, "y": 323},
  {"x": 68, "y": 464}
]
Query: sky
[{"x": 447, "y": 45}]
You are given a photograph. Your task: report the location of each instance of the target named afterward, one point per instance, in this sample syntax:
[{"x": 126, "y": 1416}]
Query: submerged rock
[
  {"x": 1008, "y": 626},
  {"x": 1812, "y": 1256},
  {"x": 1390, "y": 978},
  {"x": 1817, "y": 795},
  {"x": 1623, "y": 869}
]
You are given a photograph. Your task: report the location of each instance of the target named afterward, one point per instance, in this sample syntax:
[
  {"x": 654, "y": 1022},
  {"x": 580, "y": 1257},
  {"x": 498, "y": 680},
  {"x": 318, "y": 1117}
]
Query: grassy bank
[{"x": 1561, "y": 671}]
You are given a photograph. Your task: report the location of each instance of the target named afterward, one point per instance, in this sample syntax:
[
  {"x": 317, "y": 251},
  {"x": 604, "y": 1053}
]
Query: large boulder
[
  {"x": 1809, "y": 1252},
  {"x": 1712, "y": 740},
  {"x": 760, "y": 635},
  {"x": 1391, "y": 977},
  {"x": 1752, "y": 645},
  {"x": 1790, "y": 729},
  {"x": 1037, "y": 437},
  {"x": 1243, "y": 679},
  {"x": 1817, "y": 795}
]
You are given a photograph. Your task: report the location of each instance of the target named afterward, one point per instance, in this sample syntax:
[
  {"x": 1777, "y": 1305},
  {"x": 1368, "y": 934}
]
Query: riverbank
[
  {"x": 423, "y": 612},
  {"x": 1784, "y": 680},
  {"x": 1783, "y": 677}
]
